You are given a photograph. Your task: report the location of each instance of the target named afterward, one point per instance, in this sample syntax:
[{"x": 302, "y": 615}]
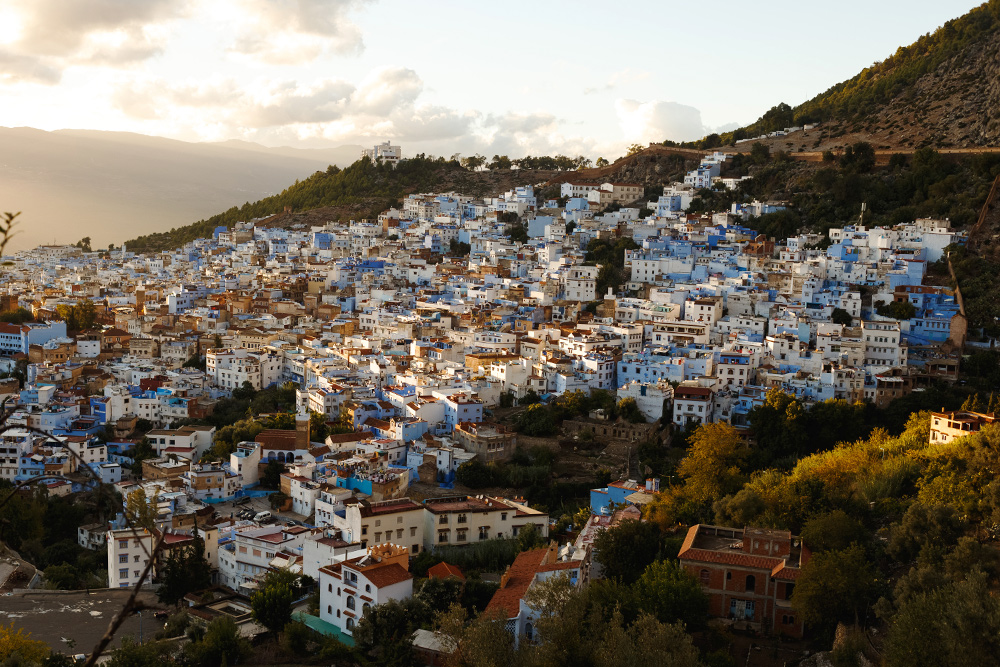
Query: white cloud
[
  {"x": 643, "y": 122},
  {"x": 289, "y": 32},
  {"x": 51, "y": 35}
]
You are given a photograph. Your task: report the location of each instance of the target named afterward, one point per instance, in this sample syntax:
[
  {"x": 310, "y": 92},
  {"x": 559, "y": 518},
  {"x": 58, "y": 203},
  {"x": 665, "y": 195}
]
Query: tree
[
  {"x": 271, "y": 479},
  {"x": 925, "y": 528},
  {"x": 517, "y": 233},
  {"x": 221, "y": 644},
  {"x": 647, "y": 643},
  {"x": 841, "y": 316},
  {"x": 538, "y": 421},
  {"x": 633, "y": 149},
  {"x": 834, "y": 586},
  {"x": 84, "y": 244},
  {"x": 626, "y": 550},
  {"x": 833, "y": 531},
  {"x": 958, "y": 624},
  {"x": 601, "y": 162},
  {"x": 384, "y": 631},
  {"x": 186, "y": 571},
  {"x": 529, "y": 537},
  {"x": 142, "y": 511},
  {"x": 19, "y": 643},
  {"x": 713, "y": 465},
  {"x": 669, "y": 593},
  {"x": 271, "y": 605},
  {"x": 628, "y": 409},
  {"x": 759, "y": 153}
]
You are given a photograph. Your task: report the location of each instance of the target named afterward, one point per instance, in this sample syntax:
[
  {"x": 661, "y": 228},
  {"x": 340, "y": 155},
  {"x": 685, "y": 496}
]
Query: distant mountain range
[{"x": 112, "y": 186}]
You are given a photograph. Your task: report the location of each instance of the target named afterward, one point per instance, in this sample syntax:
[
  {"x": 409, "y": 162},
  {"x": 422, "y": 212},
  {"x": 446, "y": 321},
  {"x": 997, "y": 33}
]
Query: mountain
[
  {"x": 942, "y": 91},
  {"x": 112, "y": 185},
  {"x": 361, "y": 190}
]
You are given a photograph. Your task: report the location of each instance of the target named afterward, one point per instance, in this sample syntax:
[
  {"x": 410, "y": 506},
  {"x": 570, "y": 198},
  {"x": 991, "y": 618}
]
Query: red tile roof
[
  {"x": 507, "y": 600},
  {"x": 443, "y": 571},
  {"x": 388, "y": 575}
]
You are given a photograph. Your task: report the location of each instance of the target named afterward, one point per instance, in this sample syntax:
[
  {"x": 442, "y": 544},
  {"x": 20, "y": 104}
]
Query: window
[
  {"x": 399, "y": 519},
  {"x": 123, "y": 544},
  {"x": 704, "y": 577},
  {"x": 123, "y": 574},
  {"x": 442, "y": 536},
  {"x": 329, "y": 608},
  {"x": 350, "y": 623},
  {"x": 329, "y": 588},
  {"x": 350, "y": 602},
  {"x": 123, "y": 558},
  {"x": 399, "y": 534},
  {"x": 378, "y": 537},
  {"x": 443, "y": 520},
  {"x": 413, "y": 532},
  {"x": 462, "y": 518},
  {"x": 503, "y": 516},
  {"x": 368, "y": 588},
  {"x": 751, "y": 583},
  {"x": 378, "y": 522},
  {"x": 364, "y": 530},
  {"x": 136, "y": 558}
]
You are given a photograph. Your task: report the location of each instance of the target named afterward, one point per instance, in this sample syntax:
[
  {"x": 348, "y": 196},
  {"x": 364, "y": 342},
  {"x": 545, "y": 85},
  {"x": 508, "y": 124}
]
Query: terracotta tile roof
[
  {"x": 388, "y": 575},
  {"x": 507, "y": 600},
  {"x": 443, "y": 570}
]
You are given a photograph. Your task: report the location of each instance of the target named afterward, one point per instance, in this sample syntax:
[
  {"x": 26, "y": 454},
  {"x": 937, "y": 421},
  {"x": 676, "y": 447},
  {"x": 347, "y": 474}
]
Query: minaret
[{"x": 302, "y": 430}]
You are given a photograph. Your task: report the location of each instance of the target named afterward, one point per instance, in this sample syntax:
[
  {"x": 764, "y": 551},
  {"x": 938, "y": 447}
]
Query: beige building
[
  {"x": 946, "y": 426},
  {"x": 469, "y": 519}
]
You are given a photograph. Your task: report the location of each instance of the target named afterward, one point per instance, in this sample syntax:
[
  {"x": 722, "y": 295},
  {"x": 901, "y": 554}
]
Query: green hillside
[
  {"x": 876, "y": 86},
  {"x": 366, "y": 187}
]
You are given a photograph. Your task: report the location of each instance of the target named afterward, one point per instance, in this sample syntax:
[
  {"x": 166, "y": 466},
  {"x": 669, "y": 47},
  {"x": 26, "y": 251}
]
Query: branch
[{"x": 131, "y": 605}]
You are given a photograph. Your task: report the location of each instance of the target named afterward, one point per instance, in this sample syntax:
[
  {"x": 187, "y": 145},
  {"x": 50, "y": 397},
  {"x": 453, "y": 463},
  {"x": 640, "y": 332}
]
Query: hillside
[
  {"x": 361, "y": 190},
  {"x": 109, "y": 185},
  {"x": 943, "y": 91}
]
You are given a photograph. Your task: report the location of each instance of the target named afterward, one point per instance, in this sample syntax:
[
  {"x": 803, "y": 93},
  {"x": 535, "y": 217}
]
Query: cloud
[
  {"x": 54, "y": 34},
  {"x": 16, "y": 67},
  {"x": 642, "y": 122},
  {"x": 387, "y": 89},
  {"x": 287, "y": 32},
  {"x": 624, "y": 76},
  {"x": 386, "y": 104}
]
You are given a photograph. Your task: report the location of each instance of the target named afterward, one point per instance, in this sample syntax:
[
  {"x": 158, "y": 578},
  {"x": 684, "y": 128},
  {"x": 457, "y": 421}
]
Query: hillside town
[{"x": 402, "y": 341}]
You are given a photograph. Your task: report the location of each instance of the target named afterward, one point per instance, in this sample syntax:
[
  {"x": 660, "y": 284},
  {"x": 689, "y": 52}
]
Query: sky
[{"x": 436, "y": 76}]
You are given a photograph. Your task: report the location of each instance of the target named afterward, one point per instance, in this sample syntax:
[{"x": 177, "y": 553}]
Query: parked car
[{"x": 242, "y": 501}]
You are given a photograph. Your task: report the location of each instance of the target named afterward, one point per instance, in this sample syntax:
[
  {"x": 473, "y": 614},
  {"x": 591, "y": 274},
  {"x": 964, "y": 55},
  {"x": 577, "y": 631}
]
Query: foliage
[
  {"x": 610, "y": 256},
  {"x": 833, "y": 531},
  {"x": 714, "y": 463},
  {"x": 271, "y": 605},
  {"x": 835, "y": 586},
  {"x": 958, "y": 624},
  {"x": 185, "y": 571},
  {"x": 670, "y": 594},
  {"x": 624, "y": 551},
  {"x": 140, "y": 510},
  {"x": 899, "y": 310},
  {"x": 371, "y": 187},
  {"x": 18, "y": 316},
  {"x": 221, "y": 644},
  {"x": 271, "y": 479},
  {"x": 383, "y": 632},
  {"x": 841, "y": 316},
  {"x": 133, "y": 654},
  {"x": 78, "y": 317},
  {"x": 17, "y": 642}
]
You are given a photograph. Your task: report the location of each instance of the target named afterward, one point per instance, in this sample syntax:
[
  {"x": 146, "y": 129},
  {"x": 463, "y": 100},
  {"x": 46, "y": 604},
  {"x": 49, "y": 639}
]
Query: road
[{"x": 77, "y": 616}]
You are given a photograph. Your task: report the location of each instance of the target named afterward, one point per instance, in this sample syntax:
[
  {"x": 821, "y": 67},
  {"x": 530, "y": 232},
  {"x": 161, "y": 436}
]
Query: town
[{"x": 369, "y": 368}]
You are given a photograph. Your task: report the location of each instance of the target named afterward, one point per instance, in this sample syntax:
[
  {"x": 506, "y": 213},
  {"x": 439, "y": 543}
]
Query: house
[
  {"x": 692, "y": 404},
  {"x": 749, "y": 574},
  {"x": 128, "y": 553},
  {"x": 946, "y": 426},
  {"x": 528, "y": 569},
  {"x": 469, "y": 519},
  {"x": 348, "y": 589}
]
